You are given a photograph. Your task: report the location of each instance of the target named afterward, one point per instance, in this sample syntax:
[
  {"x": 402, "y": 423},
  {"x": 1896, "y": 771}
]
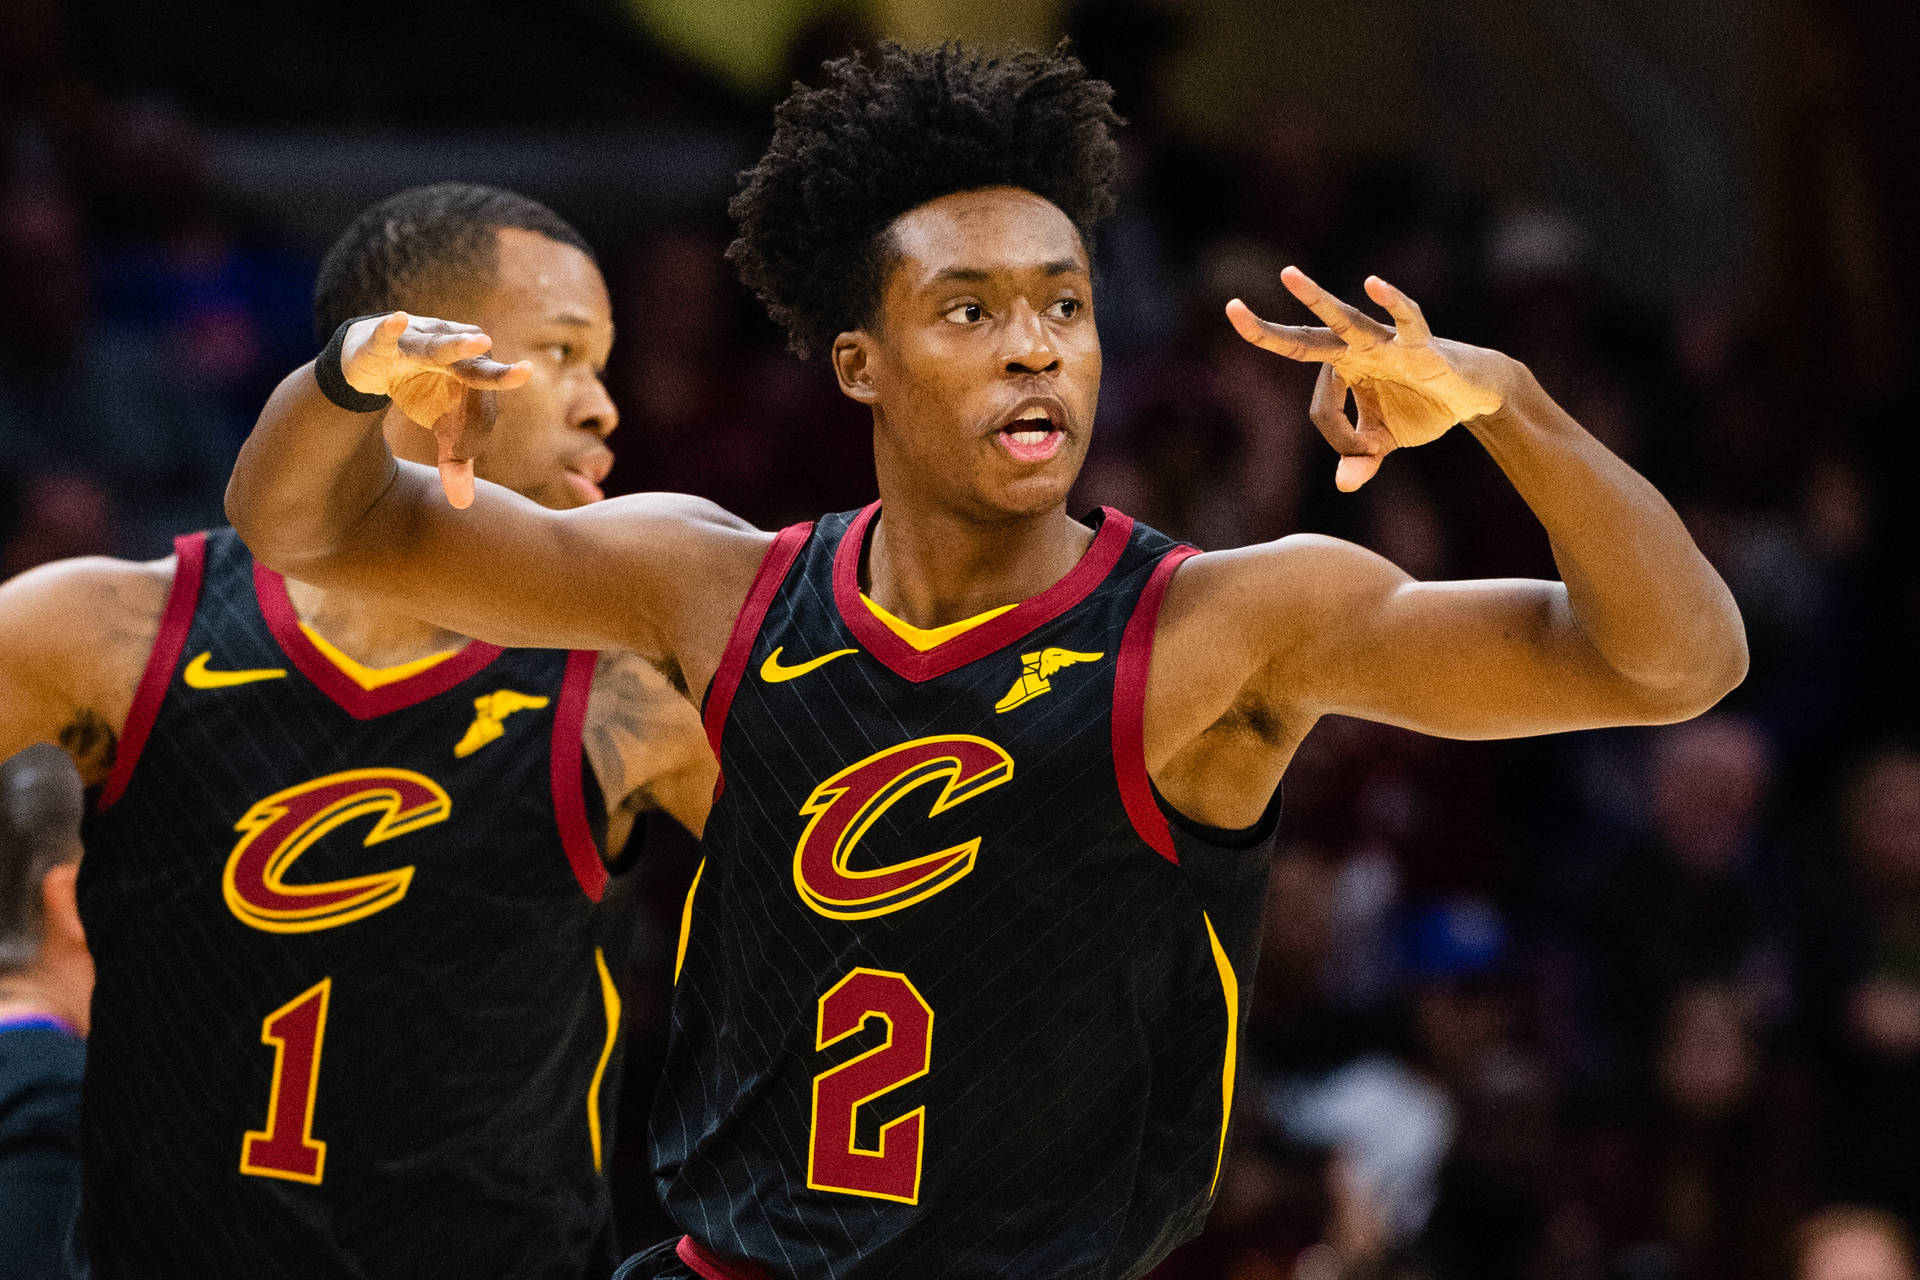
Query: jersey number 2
[
  {"x": 890, "y": 1169},
  {"x": 286, "y": 1148}
]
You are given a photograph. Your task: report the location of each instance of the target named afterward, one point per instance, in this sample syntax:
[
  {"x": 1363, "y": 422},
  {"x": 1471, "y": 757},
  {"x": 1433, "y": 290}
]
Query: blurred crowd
[{"x": 1631, "y": 1005}]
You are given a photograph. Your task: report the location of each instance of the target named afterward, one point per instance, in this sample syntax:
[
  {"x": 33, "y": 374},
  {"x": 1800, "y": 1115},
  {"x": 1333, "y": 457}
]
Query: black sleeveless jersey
[
  {"x": 351, "y": 1018},
  {"x": 954, "y": 998}
]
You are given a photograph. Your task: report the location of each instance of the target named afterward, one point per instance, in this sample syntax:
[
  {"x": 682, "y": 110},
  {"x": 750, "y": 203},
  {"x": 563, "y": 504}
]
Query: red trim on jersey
[
  {"x": 362, "y": 704},
  {"x": 733, "y": 662},
  {"x": 919, "y": 665},
  {"x": 1130, "y": 710},
  {"x": 190, "y": 551},
  {"x": 713, "y": 1266},
  {"x": 569, "y": 787}
]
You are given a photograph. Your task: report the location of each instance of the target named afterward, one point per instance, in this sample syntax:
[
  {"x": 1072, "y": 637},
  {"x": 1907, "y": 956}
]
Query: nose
[
  {"x": 1029, "y": 345},
  {"x": 595, "y": 410}
]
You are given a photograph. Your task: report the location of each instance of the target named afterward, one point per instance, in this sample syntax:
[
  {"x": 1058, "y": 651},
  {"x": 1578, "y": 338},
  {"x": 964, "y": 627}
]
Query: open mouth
[{"x": 1033, "y": 434}]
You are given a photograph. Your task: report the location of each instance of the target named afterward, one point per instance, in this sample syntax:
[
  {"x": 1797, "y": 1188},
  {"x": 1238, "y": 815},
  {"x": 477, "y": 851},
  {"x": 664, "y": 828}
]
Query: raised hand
[
  {"x": 1409, "y": 386},
  {"x": 440, "y": 375}
]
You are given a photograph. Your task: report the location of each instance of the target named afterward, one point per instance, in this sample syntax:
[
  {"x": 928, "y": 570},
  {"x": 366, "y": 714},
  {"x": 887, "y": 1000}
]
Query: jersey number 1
[
  {"x": 890, "y": 1169},
  {"x": 286, "y": 1148}
]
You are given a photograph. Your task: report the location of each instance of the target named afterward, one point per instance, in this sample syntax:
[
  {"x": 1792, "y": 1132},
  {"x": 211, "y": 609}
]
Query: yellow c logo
[
  {"x": 278, "y": 829},
  {"x": 846, "y": 805}
]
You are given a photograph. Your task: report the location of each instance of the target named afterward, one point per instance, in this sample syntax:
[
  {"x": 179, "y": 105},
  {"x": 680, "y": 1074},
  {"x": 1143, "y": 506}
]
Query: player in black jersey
[
  {"x": 962, "y": 973},
  {"x": 353, "y": 1017}
]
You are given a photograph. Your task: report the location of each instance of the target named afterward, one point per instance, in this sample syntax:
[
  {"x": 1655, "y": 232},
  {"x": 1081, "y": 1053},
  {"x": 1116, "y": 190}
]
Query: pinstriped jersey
[
  {"x": 954, "y": 1000},
  {"x": 351, "y": 1017}
]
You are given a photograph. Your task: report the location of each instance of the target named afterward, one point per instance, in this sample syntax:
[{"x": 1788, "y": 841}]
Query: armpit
[{"x": 645, "y": 742}]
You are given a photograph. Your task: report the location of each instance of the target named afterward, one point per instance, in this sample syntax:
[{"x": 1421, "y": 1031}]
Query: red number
[
  {"x": 835, "y": 1160},
  {"x": 287, "y": 1148}
]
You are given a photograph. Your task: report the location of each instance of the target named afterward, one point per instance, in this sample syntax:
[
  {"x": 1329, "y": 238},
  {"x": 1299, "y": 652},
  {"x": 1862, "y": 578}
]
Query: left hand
[{"x": 1410, "y": 386}]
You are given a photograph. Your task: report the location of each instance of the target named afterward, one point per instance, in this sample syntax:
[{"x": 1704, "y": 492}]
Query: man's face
[
  {"x": 983, "y": 366},
  {"x": 548, "y": 305}
]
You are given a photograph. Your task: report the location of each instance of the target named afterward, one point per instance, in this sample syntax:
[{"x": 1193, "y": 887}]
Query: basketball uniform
[
  {"x": 353, "y": 1018},
  {"x": 955, "y": 998}
]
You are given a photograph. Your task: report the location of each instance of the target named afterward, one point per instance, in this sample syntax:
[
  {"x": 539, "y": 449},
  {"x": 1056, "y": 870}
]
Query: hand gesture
[
  {"x": 439, "y": 375},
  {"x": 1410, "y": 386}
]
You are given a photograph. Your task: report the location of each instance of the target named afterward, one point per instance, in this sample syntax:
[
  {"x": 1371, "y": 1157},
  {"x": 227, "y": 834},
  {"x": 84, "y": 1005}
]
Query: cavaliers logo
[
  {"x": 846, "y": 805},
  {"x": 277, "y": 830}
]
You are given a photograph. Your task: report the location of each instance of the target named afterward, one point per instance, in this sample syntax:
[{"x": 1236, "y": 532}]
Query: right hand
[{"x": 439, "y": 374}]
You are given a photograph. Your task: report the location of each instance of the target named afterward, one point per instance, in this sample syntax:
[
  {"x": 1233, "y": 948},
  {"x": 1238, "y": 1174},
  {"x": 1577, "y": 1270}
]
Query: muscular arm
[
  {"x": 317, "y": 495},
  {"x": 1641, "y": 630},
  {"x": 74, "y": 638}
]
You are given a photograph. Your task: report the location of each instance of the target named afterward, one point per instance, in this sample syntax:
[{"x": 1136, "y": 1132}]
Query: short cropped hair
[
  {"x": 422, "y": 246},
  {"x": 40, "y": 807},
  {"x": 889, "y": 131}
]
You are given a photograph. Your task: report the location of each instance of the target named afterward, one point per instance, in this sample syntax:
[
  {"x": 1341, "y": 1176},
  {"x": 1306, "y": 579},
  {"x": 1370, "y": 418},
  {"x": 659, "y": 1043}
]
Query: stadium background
[{"x": 1624, "y": 1004}]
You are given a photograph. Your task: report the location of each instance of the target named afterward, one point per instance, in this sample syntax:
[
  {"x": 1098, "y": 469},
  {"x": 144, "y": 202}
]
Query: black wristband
[{"x": 333, "y": 383}]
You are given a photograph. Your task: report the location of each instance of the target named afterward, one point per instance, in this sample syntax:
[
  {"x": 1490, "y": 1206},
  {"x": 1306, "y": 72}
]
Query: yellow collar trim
[
  {"x": 924, "y": 639},
  {"x": 371, "y": 678}
]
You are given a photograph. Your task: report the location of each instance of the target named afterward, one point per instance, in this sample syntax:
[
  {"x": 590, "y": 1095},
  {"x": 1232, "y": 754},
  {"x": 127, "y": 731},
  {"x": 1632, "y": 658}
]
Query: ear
[
  {"x": 853, "y": 360},
  {"x": 60, "y": 907}
]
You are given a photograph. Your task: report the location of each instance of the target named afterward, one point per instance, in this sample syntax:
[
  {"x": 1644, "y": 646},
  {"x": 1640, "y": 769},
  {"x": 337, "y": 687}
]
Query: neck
[
  {"x": 930, "y": 565},
  {"x": 368, "y": 633}
]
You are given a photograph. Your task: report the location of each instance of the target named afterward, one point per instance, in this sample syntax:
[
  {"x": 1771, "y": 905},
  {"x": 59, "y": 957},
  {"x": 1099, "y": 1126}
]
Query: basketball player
[
  {"x": 962, "y": 973},
  {"x": 342, "y": 865}
]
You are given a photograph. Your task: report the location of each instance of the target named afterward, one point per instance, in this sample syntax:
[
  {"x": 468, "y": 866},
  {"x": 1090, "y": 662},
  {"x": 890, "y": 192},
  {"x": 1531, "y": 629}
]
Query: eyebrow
[
  {"x": 975, "y": 275},
  {"x": 570, "y": 317}
]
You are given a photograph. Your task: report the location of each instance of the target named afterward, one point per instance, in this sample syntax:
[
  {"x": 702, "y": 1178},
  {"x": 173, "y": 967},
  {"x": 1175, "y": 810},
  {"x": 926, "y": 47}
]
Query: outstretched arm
[
  {"x": 1640, "y": 629},
  {"x": 317, "y": 495}
]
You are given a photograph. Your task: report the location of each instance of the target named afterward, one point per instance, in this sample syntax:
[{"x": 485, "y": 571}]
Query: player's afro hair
[
  {"x": 420, "y": 247},
  {"x": 889, "y": 131}
]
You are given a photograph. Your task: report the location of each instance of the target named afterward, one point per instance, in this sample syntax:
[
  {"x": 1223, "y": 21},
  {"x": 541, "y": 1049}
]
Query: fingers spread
[
  {"x": 1410, "y": 323},
  {"x": 1353, "y": 326},
  {"x": 1296, "y": 342}
]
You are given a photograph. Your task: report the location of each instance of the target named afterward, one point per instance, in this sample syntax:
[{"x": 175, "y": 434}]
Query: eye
[
  {"x": 1065, "y": 309},
  {"x": 966, "y": 313},
  {"x": 560, "y": 351}
]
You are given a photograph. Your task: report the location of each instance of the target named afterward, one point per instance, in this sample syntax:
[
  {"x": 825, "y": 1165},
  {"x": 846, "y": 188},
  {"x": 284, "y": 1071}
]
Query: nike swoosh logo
[
  {"x": 198, "y": 677},
  {"x": 773, "y": 673}
]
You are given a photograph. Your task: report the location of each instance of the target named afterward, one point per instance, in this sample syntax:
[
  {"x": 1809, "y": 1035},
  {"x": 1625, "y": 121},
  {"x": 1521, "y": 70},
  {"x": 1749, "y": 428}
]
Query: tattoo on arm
[{"x": 92, "y": 743}]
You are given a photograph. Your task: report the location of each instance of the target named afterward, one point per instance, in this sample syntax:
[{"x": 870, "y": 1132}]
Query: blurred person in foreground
[
  {"x": 46, "y": 978},
  {"x": 353, "y": 1014},
  {"x": 1079, "y": 900},
  {"x": 1847, "y": 1242}
]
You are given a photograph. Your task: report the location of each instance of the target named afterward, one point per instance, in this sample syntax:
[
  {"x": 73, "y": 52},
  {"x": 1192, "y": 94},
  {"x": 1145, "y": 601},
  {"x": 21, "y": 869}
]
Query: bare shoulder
[
  {"x": 674, "y": 523},
  {"x": 74, "y": 639},
  {"x": 1262, "y": 601},
  {"x": 646, "y": 744},
  {"x": 694, "y": 557}
]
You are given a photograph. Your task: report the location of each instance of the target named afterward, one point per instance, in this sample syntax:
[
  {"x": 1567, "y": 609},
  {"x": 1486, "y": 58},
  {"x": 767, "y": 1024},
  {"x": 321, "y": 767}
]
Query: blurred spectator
[
  {"x": 46, "y": 978},
  {"x": 1701, "y": 891}
]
